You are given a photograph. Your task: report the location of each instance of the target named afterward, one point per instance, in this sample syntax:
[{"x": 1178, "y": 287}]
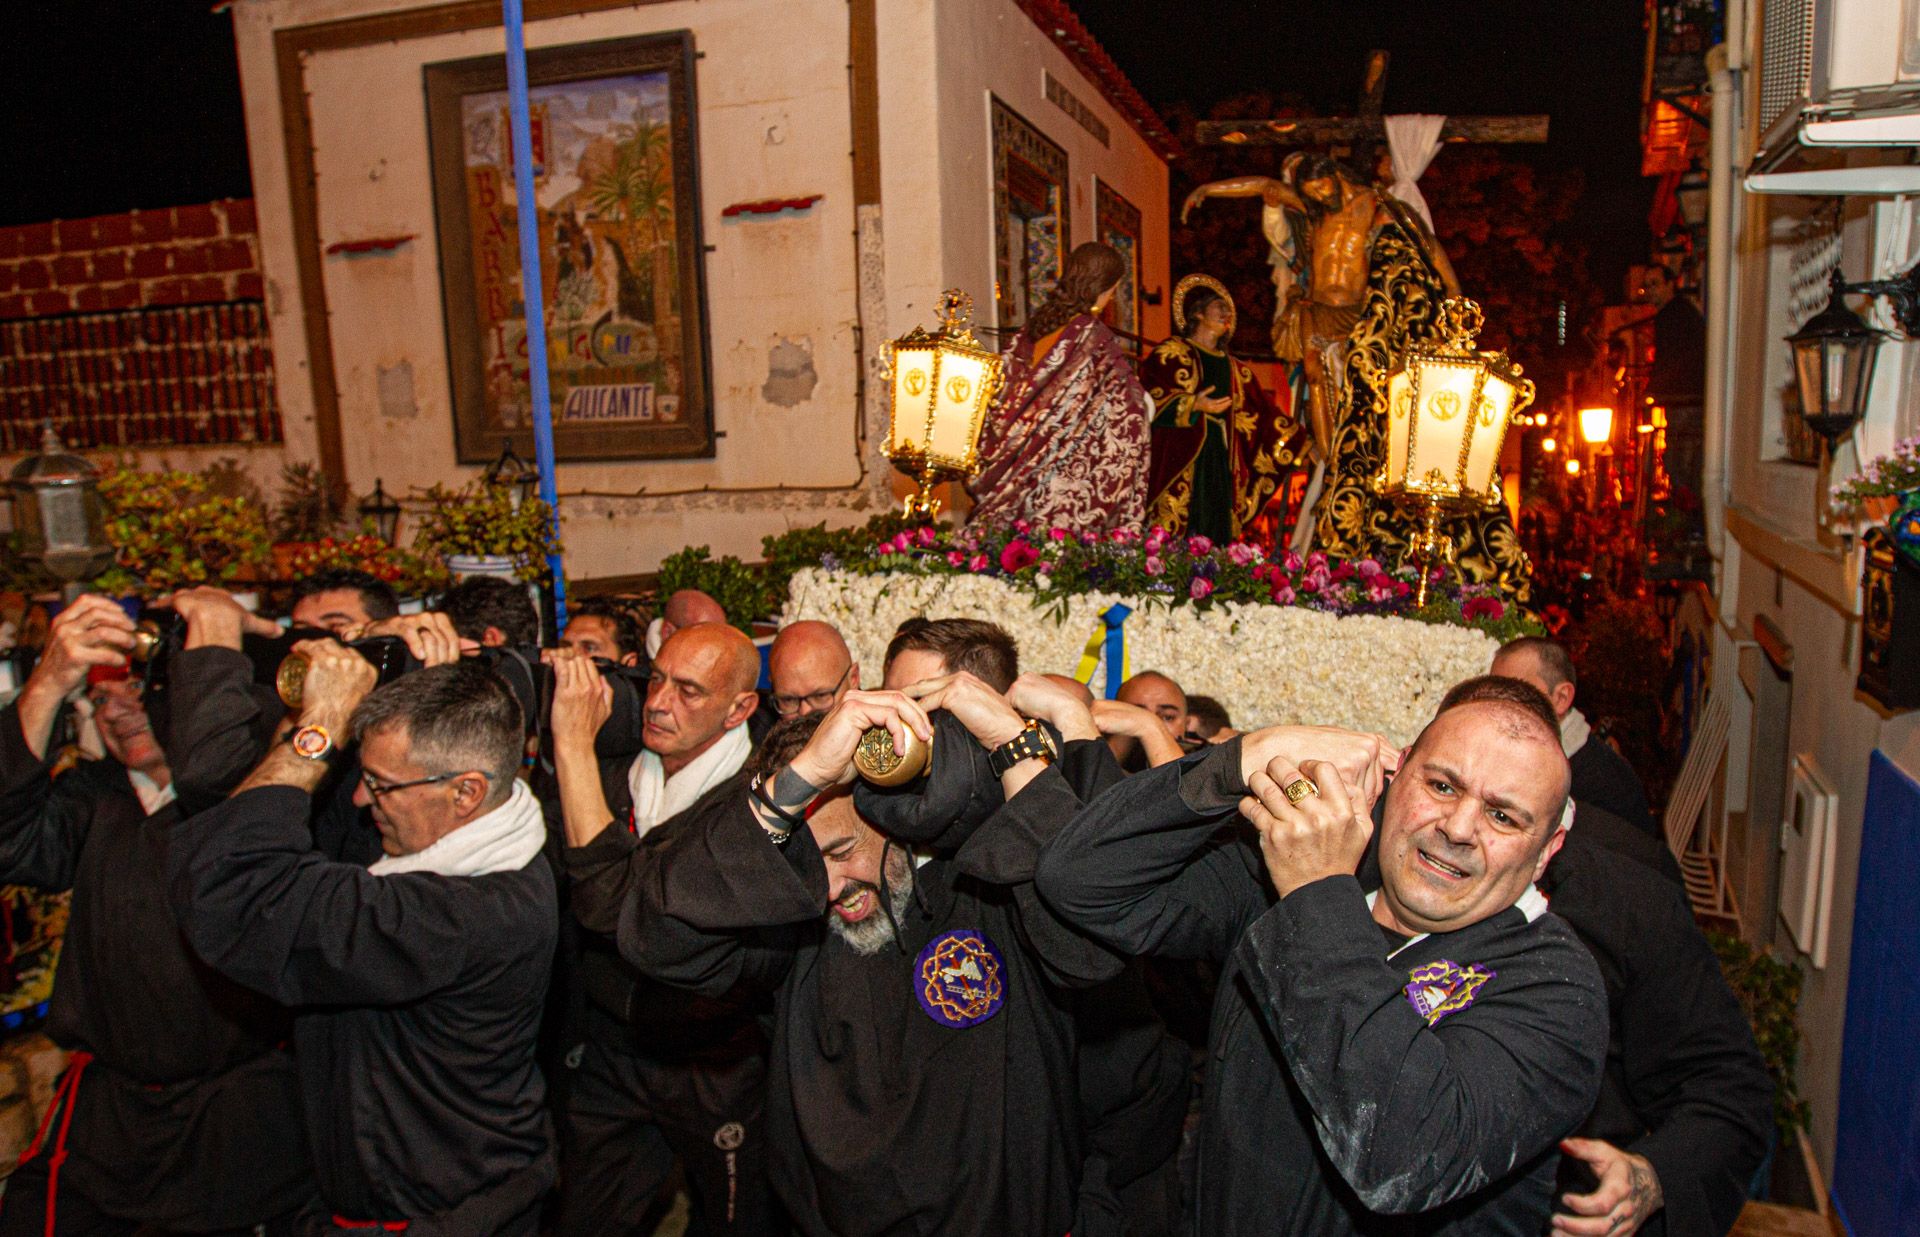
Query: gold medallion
[
  {"x": 290, "y": 680},
  {"x": 878, "y": 762}
]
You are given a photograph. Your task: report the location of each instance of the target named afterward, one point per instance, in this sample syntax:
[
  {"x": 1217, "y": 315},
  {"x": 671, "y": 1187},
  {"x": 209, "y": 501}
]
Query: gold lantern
[
  {"x": 1448, "y": 408},
  {"x": 943, "y": 382}
]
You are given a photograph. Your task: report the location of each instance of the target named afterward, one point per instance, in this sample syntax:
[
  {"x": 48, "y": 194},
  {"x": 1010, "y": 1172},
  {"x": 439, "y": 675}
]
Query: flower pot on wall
[{"x": 500, "y": 566}]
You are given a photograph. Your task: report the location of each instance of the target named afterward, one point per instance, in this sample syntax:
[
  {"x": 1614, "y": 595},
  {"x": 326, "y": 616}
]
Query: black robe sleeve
[
  {"x": 717, "y": 902},
  {"x": 261, "y": 906},
  {"x": 219, "y": 725},
  {"x": 1006, "y": 849},
  {"x": 1692, "y": 1073},
  {"x": 1415, "y": 1116},
  {"x": 1147, "y": 867},
  {"x": 43, "y": 823}
]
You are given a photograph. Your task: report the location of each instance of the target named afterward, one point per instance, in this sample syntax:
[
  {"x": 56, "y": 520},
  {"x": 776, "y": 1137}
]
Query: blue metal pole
[{"x": 529, "y": 216}]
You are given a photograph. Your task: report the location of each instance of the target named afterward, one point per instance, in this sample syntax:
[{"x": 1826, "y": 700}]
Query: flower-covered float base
[{"x": 1307, "y": 641}]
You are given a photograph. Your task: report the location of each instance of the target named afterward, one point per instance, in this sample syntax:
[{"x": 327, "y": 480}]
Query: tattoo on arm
[
  {"x": 789, "y": 789},
  {"x": 1645, "y": 1189}
]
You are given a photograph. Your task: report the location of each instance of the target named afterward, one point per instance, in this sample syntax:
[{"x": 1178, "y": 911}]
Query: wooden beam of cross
[{"x": 1366, "y": 125}]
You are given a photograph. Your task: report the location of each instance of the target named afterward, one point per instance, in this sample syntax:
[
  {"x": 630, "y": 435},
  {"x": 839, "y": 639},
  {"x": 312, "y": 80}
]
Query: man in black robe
[
  {"x": 1399, "y": 1060},
  {"x": 179, "y": 1111},
  {"x": 923, "y": 1067},
  {"x": 1601, "y": 776},
  {"x": 417, "y": 980}
]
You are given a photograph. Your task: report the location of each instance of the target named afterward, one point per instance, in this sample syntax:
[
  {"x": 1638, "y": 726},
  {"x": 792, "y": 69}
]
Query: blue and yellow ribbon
[{"x": 1110, "y": 637}]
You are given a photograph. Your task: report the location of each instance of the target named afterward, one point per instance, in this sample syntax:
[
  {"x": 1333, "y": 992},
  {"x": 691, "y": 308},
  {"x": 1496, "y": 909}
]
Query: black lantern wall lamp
[
  {"x": 381, "y": 508},
  {"x": 1833, "y": 354}
]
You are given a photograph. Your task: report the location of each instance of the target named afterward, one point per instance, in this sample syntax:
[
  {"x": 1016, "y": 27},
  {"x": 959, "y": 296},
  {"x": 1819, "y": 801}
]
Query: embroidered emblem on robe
[
  {"x": 1441, "y": 988},
  {"x": 960, "y": 978}
]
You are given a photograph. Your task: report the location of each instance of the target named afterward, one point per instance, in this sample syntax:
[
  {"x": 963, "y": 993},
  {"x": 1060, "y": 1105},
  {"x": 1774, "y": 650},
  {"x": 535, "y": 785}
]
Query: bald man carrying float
[{"x": 661, "y": 1074}]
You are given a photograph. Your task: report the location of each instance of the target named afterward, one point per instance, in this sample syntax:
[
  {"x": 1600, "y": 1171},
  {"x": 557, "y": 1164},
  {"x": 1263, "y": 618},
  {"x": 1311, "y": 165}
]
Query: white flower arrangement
[{"x": 1267, "y": 664}]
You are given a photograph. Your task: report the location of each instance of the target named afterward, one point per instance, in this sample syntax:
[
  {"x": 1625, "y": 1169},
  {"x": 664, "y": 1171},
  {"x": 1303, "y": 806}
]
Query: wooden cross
[{"x": 1366, "y": 126}]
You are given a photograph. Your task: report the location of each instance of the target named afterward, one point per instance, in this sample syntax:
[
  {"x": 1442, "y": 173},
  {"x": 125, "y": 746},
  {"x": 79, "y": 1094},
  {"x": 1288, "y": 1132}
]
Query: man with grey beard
[{"x": 922, "y": 1076}]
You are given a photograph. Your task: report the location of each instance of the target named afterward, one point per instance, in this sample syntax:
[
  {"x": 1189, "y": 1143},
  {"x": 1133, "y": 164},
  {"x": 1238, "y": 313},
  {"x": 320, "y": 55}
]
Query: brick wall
[{"x": 180, "y": 255}]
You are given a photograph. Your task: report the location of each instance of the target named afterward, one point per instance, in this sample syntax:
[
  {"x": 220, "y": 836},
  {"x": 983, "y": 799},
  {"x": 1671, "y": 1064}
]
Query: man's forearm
[
  {"x": 285, "y": 767},
  {"x": 583, "y": 801},
  {"x": 38, "y": 707}
]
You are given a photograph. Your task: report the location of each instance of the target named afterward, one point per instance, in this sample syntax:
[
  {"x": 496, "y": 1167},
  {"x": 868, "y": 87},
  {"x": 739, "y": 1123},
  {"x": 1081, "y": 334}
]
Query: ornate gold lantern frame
[
  {"x": 1464, "y": 400},
  {"x": 943, "y": 382}
]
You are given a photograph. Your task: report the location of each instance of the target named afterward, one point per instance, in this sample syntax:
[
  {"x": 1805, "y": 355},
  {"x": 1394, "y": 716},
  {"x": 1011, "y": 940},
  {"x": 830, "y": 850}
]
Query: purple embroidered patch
[
  {"x": 1441, "y": 988},
  {"x": 959, "y": 978}
]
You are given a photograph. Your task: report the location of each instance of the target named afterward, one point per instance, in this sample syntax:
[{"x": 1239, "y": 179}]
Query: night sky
[{"x": 111, "y": 105}]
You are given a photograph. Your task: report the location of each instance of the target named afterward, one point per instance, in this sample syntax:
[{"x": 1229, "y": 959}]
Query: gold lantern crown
[
  {"x": 943, "y": 382},
  {"x": 1447, "y": 407}
]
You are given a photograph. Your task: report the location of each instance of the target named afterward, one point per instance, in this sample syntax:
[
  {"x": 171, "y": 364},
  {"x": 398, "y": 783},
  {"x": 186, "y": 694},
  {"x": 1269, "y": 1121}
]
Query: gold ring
[{"x": 1299, "y": 788}]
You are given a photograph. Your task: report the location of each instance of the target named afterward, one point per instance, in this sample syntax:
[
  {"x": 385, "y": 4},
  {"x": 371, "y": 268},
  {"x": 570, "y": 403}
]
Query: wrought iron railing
[{"x": 169, "y": 375}]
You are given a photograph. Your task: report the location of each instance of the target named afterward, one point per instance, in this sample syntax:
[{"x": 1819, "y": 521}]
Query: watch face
[{"x": 311, "y": 742}]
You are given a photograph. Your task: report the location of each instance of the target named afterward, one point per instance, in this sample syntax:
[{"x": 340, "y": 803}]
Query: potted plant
[
  {"x": 1881, "y": 488},
  {"x": 305, "y": 512},
  {"x": 481, "y": 529},
  {"x": 170, "y": 531},
  {"x": 410, "y": 575}
]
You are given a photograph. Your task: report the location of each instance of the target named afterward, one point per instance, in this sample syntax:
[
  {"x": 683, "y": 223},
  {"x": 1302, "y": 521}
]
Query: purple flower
[
  {"x": 1199, "y": 588},
  {"x": 1240, "y": 553},
  {"x": 1153, "y": 565},
  {"x": 1199, "y": 545},
  {"x": 830, "y": 561}
]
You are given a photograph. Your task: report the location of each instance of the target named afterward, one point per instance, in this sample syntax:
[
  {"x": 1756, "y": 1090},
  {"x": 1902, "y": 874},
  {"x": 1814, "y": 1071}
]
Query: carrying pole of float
[{"x": 526, "y": 208}]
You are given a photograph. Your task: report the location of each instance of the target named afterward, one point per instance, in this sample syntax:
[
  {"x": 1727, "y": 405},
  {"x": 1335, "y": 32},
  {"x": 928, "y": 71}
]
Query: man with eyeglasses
[
  {"x": 416, "y": 981},
  {"x": 656, "y": 1074},
  {"x": 811, "y": 669}
]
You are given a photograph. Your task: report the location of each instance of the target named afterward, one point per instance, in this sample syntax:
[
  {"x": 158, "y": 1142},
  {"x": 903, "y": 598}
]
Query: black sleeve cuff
[{"x": 1210, "y": 781}]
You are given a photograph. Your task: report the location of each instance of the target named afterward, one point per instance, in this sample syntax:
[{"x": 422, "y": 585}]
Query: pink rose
[
  {"x": 1316, "y": 559},
  {"x": 1484, "y": 608},
  {"x": 1343, "y": 572},
  {"x": 1293, "y": 561},
  {"x": 1045, "y": 568},
  {"x": 1380, "y": 588},
  {"x": 1016, "y": 555},
  {"x": 1368, "y": 568},
  {"x": 1240, "y": 553},
  {"x": 1283, "y": 594},
  {"x": 1124, "y": 536},
  {"x": 978, "y": 563},
  {"x": 1021, "y": 526},
  {"x": 1200, "y": 587},
  {"x": 1199, "y": 545},
  {"x": 1153, "y": 565},
  {"x": 956, "y": 559},
  {"x": 925, "y": 536},
  {"x": 1317, "y": 579},
  {"x": 1057, "y": 534}
]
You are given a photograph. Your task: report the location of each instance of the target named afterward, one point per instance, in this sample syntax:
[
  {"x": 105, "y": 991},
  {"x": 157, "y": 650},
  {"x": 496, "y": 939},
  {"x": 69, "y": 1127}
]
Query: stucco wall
[{"x": 774, "y": 121}]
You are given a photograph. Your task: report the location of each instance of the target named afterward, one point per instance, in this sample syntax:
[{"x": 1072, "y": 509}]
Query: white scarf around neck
[
  {"x": 657, "y": 797},
  {"x": 1574, "y": 732},
  {"x": 504, "y": 840}
]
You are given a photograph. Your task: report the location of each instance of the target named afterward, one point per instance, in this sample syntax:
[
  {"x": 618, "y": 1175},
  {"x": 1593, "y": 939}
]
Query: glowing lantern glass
[
  {"x": 943, "y": 382},
  {"x": 1448, "y": 407},
  {"x": 1596, "y": 425}
]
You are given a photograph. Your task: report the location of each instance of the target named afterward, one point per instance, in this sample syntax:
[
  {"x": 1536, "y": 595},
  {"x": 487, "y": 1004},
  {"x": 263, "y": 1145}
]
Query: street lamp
[
  {"x": 1596, "y": 425},
  {"x": 512, "y": 473},
  {"x": 942, "y": 384},
  {"x": 59, "y": 515},
  {"x": 1833, "y": 356},
  {"x": 1448, "y": 406},
  {"x": 380, "y": 507}
]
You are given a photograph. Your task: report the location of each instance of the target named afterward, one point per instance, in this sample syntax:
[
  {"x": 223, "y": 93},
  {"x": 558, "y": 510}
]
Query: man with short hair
[
  {"x": 1415, "y": 1049},
  {"x": 657, "y": 1073},
  {"x": 598, "y": 627},
  {"x": 418, "y": 979},
  {"x": 684, "y": 608},
  {"x": 341, "y": 599},
  {"x": 811, "y": 668},
  {"x": 1685, "y": 1102},
  {"x": 924, "y": 648},
  {"x": 497, "y": 613},
  {"x": 177, "y": 1110},
  {"x": 1143, "y": 724},
  {"x": 1208, "y": 720},
  {"x": 1601, "y": 776}
]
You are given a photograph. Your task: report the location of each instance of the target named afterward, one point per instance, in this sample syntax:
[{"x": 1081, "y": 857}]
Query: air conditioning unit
[{"x": 1838, "y": 76}]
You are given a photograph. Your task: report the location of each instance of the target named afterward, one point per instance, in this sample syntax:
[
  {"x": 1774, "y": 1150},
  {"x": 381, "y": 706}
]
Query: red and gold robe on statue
[
  {"x": 1213, "y": 473},
  {"x": 1065, "y": 445}
]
